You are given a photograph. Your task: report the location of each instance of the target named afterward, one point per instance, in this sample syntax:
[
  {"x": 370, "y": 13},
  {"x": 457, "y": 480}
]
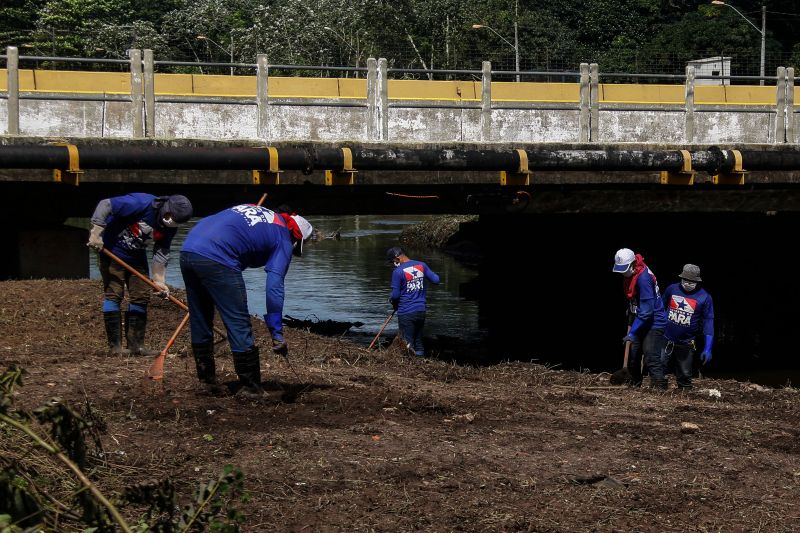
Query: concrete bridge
[{"x": 379, "y": 108}]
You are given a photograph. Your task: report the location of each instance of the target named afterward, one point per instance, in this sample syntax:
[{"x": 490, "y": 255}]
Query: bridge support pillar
[
  {"x": 57, "y": 252},
  {"x": 594, "y": 99},
  {"x": 137, "y": 94}
]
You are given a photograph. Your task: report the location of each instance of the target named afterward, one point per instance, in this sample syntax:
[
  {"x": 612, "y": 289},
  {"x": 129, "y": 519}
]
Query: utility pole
[
  {"x": 516, "y": 37},
  {"x": 763, "y": 39}
]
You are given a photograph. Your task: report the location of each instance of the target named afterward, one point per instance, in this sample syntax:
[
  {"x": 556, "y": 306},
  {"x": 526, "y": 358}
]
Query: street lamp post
[
  {"x": 212, "y": 41},
  {"x": 515, "y": 46},
  {"x": 762, "y": 31}
]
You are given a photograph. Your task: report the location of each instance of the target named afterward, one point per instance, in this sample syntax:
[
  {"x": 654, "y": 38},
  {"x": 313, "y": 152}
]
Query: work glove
[
  {"x": 705, "y": 357},
  {"x": 159, "y": 271},
  {"x": 629, "y": 338},
  {"x": 395, "y": 303},
  {"x": 96, "y": 237}
]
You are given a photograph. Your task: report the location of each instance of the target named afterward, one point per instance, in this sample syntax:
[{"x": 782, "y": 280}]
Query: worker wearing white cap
[
  {"x": 214, "y": 254},
  {"x": 646, "y": 334}
]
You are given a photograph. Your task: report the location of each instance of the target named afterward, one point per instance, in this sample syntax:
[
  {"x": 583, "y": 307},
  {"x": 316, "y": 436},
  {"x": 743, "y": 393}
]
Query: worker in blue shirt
[
  {"x": 690, "y": 311},
  {"x": 126, "y": 225},
  {"x": 646, "y": 334},
  {"x": 214, "y": 254},
  {"x": 408, "y": 296}
]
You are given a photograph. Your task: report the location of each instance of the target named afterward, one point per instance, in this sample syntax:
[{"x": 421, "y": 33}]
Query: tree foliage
[{"x": 617, "y": 34}]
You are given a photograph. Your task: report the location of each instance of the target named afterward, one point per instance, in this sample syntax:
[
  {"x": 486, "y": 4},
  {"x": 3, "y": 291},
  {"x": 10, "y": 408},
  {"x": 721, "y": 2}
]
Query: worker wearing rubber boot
[
  {"x": 646, "y": 334},
  {"x": 409, "y": 288},
  {"x": 125, "y": 225},
  {"x": 214, "y": 254},
  {"x": 690, "y": 312}
]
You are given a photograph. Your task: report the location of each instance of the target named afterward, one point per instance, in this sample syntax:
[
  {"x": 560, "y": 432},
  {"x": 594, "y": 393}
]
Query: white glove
[
  {"x": 159, "y": 271},
  {"x": 96, "y": 237}
]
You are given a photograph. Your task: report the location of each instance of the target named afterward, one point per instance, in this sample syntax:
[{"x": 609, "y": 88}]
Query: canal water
[{"x": 347, "y": 279}]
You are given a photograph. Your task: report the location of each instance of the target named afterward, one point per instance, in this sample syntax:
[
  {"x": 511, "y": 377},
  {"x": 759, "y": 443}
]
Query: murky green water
[{"x": 347, "y": 280}]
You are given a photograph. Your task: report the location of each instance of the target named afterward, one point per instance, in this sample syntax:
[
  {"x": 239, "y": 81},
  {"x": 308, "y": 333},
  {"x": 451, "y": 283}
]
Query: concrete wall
[{"x": 377, "y": 109}]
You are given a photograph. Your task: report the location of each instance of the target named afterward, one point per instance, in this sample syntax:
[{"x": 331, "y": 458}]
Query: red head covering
[{"x": 629, "y": 284}]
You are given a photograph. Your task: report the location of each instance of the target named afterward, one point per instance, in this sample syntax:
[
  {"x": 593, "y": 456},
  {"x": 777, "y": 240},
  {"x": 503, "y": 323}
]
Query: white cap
[
  {"x": 623, "y": 260},
  {"x": 306, "y": 229}
]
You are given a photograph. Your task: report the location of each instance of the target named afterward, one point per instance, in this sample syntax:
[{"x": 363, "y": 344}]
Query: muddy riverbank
[{"x": 376, "y": 441}]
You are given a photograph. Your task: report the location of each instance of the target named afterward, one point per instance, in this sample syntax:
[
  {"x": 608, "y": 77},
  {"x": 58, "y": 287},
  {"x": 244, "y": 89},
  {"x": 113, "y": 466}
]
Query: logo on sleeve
[{"x": 681, "y": 309}]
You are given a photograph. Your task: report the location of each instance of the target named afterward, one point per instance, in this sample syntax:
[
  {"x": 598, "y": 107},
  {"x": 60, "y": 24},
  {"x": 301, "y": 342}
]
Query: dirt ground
[{"x": 377, "y": 441}]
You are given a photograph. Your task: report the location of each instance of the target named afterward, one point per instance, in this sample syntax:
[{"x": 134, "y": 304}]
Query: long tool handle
[
  {"x": 627, "y": 351},
  {"x": 381, "y": 331},
  {"x": 156, "y": 370},
  {"x": 150, "y": 282}
]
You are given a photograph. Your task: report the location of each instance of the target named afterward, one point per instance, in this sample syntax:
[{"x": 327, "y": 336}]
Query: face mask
[
  {"x": 688, "y": 286},
  {"x": 628, "y": 273},
  {"x": 169, "y": 222},
  {"x": 396, "y": 263}
]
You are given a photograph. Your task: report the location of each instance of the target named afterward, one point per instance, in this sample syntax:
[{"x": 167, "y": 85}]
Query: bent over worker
[
  {"x": 214, "y": 254},
  {"x": 408, "y": 296},
  {"x": 125, "y": 225},
  {"x": 646, "y": 334},
  {"x": 690, "y": 311}
]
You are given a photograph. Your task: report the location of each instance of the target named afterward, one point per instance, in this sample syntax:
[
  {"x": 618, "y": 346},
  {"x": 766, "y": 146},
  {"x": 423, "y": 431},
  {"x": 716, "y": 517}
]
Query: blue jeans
[
  {"x": 411, "y": 325},
  {"x": 210, "y": 284},
  {"x": 651, "y": 348}
]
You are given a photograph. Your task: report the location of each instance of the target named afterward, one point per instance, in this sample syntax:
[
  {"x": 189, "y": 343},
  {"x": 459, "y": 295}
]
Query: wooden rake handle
[
  {"x": 381, "y": 331},
  {"x": 150, "y": 282},
  {"x": 156, "y": 370}
]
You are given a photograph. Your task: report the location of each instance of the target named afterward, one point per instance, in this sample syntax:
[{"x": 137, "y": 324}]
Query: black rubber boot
[
  {"x": 248, "y": 367},
  {"x": 206, "y": 367},
  {"x": 135, "y": 325},
  {"x": 114, "y": 333}
]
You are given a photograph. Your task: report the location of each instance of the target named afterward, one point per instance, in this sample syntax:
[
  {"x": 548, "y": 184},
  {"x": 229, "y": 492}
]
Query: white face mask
[
  {"x": 688, "y": 286},
  {"x": 169, "y": 222},
  {"x": 628, "y": 273}
]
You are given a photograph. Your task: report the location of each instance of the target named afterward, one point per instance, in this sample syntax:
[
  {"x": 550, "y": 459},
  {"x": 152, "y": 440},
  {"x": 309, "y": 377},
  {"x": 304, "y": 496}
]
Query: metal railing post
[
  {"x": 688, "y": 115},
  {"x": 780, "y": 106},
  {"x": 12, "y": 67},
  {"x": 373, "y": 112},
  {"x": 149, "y": 95},
  {"x": 137, "y": 100},
  {"x": 383, "y": 98},
  {"x": 486, "y": 101},
  {"x": 262, "y": 96}
]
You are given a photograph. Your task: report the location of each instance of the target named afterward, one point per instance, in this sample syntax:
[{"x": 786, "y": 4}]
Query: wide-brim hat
[{"x": 691, "y": 273}]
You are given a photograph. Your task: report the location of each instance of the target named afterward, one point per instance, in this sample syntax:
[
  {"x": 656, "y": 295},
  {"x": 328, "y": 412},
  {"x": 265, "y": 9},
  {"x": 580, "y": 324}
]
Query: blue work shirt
[
  {"x": 244, "y": 236},
  {"x": 688, "y": 314},
  {"x": 647, "y": 305},
  {"x": 408, "y": 285},
  {"x": 132, "y": 223}
]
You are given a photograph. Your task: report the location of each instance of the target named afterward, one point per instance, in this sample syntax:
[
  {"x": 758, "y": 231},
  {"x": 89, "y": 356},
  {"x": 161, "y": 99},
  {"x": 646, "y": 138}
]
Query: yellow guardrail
[{"x": 356, "y": 88}]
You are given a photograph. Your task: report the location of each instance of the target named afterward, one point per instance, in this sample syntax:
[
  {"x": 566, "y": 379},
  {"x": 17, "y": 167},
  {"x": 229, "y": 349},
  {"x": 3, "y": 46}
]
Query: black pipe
[{"x": 308, "y": 158}]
